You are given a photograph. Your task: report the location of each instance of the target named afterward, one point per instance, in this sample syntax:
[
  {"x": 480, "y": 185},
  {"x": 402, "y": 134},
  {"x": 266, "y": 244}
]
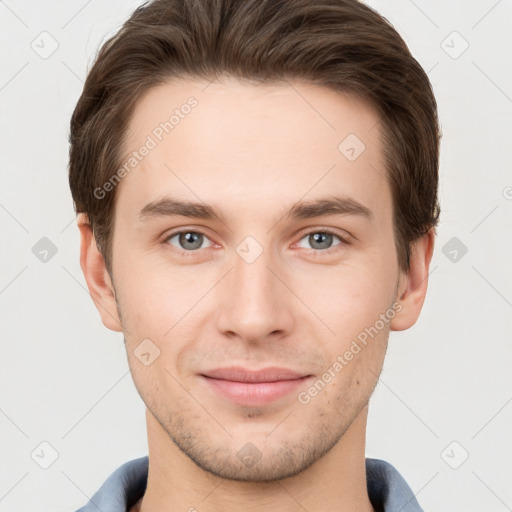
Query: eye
[
  {"x": 188, "y": 241},
  {"x": 322, "y": 240}
]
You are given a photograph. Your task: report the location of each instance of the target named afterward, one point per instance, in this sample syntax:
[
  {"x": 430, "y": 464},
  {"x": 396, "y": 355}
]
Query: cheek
[
  {"x": 352, "y": 303},
  {"x": 167, "y": 307},
  {"x": 354, "y": 367},
  {"x": 155, "y": 296},
  {"x": 348, "y": 297}
]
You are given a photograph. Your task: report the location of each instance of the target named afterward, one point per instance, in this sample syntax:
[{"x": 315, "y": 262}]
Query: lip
[
  {"x": 253, "y": 388},
  {"x": 239, "y": 374}
]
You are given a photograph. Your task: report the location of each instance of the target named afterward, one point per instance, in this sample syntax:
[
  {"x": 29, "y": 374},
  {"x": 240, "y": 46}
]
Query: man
[{"x": 256, "y": 183}]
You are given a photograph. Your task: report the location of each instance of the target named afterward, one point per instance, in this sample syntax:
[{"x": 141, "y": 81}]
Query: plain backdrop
[{"x": 442, "y": 411}]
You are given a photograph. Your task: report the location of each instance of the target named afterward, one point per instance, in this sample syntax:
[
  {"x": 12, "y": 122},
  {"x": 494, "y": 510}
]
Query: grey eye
[
  {"x": 188, "y": 240},
  {"x": 319, "y": 240}
]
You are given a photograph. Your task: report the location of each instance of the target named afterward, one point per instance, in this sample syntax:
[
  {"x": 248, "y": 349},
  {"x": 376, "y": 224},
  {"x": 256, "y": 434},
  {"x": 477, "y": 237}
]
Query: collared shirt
[{"x": 387, "y": 490}]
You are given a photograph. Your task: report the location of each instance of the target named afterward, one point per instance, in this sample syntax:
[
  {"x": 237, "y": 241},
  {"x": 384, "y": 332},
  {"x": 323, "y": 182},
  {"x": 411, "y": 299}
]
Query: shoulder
[
  {"x": 121, "y": 489},
  {"x": 387, "y": 489}
]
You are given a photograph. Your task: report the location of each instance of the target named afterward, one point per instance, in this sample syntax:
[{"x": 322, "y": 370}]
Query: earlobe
[
  {"x": 413, "y": 284},
  {"x": 96, "y": 275}
]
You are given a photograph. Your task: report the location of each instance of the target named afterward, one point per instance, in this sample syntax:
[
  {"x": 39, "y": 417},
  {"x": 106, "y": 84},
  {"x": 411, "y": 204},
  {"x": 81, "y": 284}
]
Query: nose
[{"x": 254, "y": 303}]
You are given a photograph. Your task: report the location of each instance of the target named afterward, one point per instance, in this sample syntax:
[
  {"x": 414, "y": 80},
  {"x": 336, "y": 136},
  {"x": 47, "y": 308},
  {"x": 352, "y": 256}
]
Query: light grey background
[{"x": 445, "y": 392}]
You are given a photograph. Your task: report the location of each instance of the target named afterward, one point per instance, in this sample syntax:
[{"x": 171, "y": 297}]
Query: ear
[
  {"x": 96, "y": 275},
  {"x": 412, "y": 287}
]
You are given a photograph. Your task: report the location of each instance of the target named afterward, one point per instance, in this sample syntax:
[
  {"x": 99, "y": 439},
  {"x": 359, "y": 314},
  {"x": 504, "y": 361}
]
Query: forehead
[
  {"x": 231, "y": 142},
  {"x": 304, "y": 109}
]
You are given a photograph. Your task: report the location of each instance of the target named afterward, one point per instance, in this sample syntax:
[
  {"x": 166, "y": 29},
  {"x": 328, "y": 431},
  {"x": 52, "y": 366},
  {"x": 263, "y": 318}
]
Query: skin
[{"x": 252, "y": 151}]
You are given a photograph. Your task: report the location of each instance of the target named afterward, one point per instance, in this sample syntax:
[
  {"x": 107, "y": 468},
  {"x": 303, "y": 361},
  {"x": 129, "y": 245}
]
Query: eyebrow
[{"x": 335, "y": 205}]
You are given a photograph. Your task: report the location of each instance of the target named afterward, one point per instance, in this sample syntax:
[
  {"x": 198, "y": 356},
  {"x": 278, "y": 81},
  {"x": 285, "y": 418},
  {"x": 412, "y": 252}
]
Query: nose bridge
[{"x": 253, "y": 302}]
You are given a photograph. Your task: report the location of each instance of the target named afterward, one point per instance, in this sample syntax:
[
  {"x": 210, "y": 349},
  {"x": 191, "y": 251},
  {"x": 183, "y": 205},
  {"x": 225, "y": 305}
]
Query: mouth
[{"x": 253, "y": 388}]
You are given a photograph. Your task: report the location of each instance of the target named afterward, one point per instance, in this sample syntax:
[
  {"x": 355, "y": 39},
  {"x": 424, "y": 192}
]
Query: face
[{"x": 285, "y": 259}]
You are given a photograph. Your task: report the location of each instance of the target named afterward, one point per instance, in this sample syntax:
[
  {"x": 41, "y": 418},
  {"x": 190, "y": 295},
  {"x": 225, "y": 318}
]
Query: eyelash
[
  {"x": 181, "y": 252},
  {"x": 343, "y": 240}
]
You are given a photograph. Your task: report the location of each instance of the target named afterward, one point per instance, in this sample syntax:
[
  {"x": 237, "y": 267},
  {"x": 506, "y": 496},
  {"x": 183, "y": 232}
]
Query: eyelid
[
  {"x": 344, "y": 238},
  {"x": 325, "y": 229},
  {"x": 177, "y": 251},
  {"x": 185, "y": 229}
]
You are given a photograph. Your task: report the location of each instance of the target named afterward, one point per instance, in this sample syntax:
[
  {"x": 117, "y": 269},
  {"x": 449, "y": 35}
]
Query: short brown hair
[{"x": 343, "y": 45}]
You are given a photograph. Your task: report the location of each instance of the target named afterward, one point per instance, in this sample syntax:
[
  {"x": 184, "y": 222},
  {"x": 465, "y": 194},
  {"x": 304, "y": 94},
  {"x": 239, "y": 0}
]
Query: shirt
[{"x": 387, "y": 490}]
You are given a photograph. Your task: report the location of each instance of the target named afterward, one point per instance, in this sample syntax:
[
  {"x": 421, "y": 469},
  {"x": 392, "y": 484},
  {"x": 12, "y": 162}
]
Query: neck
[{"x": 336, "y": 481}]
